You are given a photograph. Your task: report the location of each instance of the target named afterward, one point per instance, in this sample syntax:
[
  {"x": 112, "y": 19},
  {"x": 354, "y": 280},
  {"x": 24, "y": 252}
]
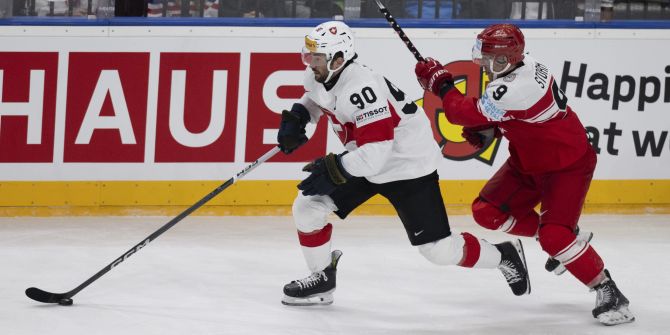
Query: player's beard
[{"x": 319, "y": 76}]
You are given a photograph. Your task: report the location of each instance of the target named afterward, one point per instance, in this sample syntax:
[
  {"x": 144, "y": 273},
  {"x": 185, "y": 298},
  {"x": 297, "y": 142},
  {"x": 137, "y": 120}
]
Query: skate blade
[
  {"x": 313, "y": 300},
  {"x": 519, "y": 248},
  {"x": 616, "y": 317}
]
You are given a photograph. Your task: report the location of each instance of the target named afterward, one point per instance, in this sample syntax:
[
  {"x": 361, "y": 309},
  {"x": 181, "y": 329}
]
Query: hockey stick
[
  {"x": 394, "y": 24},
  {"x": 487, "y": 133},
  {"x": 65, "y": 298}
]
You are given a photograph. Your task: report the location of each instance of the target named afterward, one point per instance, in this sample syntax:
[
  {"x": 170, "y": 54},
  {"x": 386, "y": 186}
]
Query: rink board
[
  {"x": 118, "y": 120},
  {"x": 274, "y": 197}
]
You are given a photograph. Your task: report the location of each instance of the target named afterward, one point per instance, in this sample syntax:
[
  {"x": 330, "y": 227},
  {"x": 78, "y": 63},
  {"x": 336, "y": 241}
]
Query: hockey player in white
[{"x": 390, "y": 151}]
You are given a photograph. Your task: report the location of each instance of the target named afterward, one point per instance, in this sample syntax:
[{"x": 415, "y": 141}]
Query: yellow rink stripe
[{"x": 57, "y": 198}]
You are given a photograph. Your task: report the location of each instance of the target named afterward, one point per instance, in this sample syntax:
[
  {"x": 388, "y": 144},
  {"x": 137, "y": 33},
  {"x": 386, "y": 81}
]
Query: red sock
[
  {"x": 587, "y": 266},
  {"x": 316, "y": 238},
  {"x": 471, "y": 251}
]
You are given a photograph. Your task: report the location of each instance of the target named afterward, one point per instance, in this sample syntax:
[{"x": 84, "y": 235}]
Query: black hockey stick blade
[
  {"x": 65, "y": 298},
  {"x": 44, "y": 296}
]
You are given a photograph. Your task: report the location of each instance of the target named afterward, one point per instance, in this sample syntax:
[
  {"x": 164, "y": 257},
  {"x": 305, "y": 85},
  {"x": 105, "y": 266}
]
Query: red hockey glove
[
  {"x": 433, "y": 77},
  {"x": 480, "y": 136}
]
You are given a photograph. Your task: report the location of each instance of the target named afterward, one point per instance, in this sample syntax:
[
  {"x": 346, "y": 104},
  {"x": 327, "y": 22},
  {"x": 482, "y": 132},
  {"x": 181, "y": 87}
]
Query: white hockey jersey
[{"x": 387, "y": 135}]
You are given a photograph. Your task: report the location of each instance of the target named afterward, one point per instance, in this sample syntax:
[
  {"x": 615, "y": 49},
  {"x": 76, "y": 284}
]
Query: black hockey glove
[
  {"x": 481, "y": 136},
  {"x": 326, "y": 175},
  {"x": 291, "y": 133}
]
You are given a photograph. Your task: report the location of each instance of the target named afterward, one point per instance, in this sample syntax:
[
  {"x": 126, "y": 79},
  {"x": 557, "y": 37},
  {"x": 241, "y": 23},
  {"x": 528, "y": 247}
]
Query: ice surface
[{"x": 224, "y": 275}]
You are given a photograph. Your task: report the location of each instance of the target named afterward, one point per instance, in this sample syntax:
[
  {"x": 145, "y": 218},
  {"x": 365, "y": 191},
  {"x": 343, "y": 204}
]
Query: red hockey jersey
[{"x": 531, "y": 112}]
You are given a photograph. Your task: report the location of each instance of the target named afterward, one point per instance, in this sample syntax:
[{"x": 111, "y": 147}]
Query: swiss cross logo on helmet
[{"x": 333, "y": 30}]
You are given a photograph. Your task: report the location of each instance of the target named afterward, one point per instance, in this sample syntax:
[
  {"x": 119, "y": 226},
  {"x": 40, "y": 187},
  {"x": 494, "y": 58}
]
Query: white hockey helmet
[{"x": 328, "y": 39}]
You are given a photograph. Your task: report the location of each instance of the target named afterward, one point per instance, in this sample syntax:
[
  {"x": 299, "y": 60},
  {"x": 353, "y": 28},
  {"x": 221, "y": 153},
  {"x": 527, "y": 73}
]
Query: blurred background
[
  {"x": 587, "y": 10},
  {"x": 76, "y": 46}
]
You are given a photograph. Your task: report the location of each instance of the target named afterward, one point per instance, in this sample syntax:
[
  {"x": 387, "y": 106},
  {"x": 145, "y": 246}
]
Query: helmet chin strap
[
  {"x": 497, "y": 73},
  {"x": 330, "y": 71}
]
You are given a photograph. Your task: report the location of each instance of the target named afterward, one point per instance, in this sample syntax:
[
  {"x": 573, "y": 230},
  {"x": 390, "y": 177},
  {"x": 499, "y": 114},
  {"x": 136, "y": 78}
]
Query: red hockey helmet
[{"x": 500, "y": 39}]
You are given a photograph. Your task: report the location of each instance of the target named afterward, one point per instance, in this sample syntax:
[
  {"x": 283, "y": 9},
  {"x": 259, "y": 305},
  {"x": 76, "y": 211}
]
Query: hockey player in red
[
  {"x": 389, "y": 151},
  {"x": 551, "y": 161}
]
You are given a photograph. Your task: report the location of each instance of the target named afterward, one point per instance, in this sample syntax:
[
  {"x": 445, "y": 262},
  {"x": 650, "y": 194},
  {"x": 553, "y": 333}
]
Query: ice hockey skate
[
  {"x": 513, "y": 266},
  {"x": 316, "y": 289},
  {"x": 611, "y": 305},
  {"x": 553, "y": 265}
]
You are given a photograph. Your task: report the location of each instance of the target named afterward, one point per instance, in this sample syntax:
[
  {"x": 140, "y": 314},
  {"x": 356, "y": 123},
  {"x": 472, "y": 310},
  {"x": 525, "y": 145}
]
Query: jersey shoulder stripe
[{"x": 542, "y": 110}]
